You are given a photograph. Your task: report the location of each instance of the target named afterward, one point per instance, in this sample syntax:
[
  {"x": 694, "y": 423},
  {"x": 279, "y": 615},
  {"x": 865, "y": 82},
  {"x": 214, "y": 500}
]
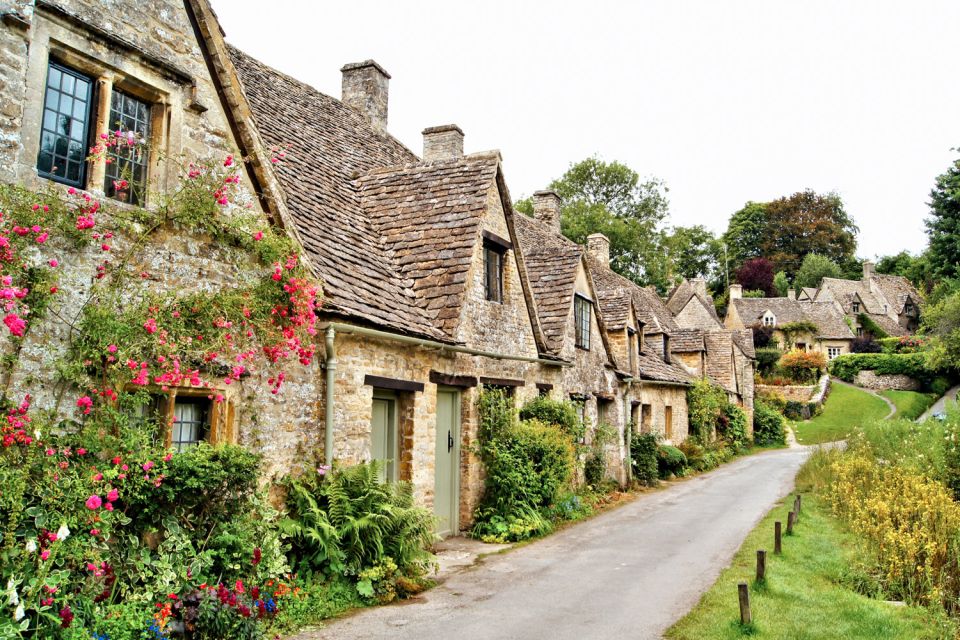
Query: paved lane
[{"x": 629, "y": 573}]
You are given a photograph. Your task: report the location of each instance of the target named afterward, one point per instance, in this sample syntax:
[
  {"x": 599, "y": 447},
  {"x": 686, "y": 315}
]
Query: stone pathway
[{"x": 628, "y": 573}]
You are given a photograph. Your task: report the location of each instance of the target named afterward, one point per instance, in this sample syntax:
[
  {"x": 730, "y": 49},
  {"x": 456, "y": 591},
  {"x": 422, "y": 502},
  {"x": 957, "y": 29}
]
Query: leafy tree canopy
[
  {"x": 756, "y": 274},
  {"x": 805, "y": 223},
  {"x": 815, "y": 268},
  {"x": 612, "y": 199},
  {"x": 693, "y": 252},
  {"x": 781, "y": 283},
  {"x": 916, "y": 269},
  {"x": 745, "y": 233}
]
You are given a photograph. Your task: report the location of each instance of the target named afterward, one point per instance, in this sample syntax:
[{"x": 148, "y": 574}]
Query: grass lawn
[
  {"x": 803, "y": 597},
  {"x": 910, "y": 404},
  {"x": 845, "y": 408}
]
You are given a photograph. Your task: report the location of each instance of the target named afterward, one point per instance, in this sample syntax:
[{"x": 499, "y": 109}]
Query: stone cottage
[
  {"x": 73, "y": 70},
  {"x": 832, "y": 337},
  {"x": 890, "y": 302},
  {"x": 692, "y": 305}
]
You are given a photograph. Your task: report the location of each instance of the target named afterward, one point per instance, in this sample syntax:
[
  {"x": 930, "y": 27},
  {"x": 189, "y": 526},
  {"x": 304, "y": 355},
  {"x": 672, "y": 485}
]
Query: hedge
[{"x": 847, "y": 366}]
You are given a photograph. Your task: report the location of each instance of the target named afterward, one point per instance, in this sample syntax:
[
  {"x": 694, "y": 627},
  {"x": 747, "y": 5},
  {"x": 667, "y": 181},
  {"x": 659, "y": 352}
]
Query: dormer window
[
  {"x": 769, "y": 320},
  {"x": 582, "y": 309},
  {"x": 908, "y": 308},
  {"x": 856, "y": 307},
  {"x": 494, "y": 250}
]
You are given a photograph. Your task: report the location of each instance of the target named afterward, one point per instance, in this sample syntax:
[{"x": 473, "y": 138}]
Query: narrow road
[
  {"x": 628, "y": 573},
  {"x": 940, "y": 405}
]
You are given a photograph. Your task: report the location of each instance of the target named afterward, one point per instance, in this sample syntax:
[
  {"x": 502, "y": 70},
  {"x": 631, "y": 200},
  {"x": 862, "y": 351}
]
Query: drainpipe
[{"x": 331, "y": 366}]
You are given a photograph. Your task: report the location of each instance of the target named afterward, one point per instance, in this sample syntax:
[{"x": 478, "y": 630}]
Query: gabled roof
[
  {"x": 647, "y": 305},
  {"x": 719, "y": 365},
  {"x": 896, "y": 289},
  {"x": 743, "y": 338},
  {"x": 830, "y": 322},
  {"x": 686, "y": 341},
  {"x": 808, "y": 293},
  {"x": 689, "y": 290},
  {"x": 653, "y": 312},
  {"x": 846, "y": 292},
  {"x": 551, "y": 261},
  {"x": 428, "y": 216}
]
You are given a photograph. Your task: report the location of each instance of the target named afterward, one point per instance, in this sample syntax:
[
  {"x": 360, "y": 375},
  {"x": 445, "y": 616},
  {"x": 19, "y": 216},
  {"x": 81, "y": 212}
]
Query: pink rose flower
[
  {"x": 113, "y": 496},
  {"x": 94, "y": 502}
]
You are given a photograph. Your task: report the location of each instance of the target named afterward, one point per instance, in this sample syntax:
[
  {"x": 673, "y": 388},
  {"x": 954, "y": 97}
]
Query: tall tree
[
  {"x": 943, "y": 227},
  {"x": 692, "y": 252},
  {"x": 756, "y": 274},
  {"x": 745, "y": 234},
  {"x": 916, "y": 269},
  {"x": 804, "y": 223},
  {"x": 814, "y": 269},
  {"x": 612, "y": 199}
]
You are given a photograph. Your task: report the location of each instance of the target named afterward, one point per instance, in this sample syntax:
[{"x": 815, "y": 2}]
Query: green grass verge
[
  {"x": 910, "y": 404},
  {"x": 804, "y": 596},
  {"x": 845, "y": 408}
]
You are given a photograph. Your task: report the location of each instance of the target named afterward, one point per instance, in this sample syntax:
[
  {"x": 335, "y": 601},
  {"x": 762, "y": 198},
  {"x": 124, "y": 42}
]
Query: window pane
[
  {"x": 64, "y": 128},
  {"x": 128, "y": 163}
]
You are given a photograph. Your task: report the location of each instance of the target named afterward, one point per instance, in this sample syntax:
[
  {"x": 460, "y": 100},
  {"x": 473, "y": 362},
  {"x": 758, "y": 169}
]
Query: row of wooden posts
[{"x": 743, "y": 589}]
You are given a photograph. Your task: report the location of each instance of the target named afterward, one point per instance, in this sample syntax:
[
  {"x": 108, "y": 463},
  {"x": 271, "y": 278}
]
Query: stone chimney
[
  {"x": 546, "y": 209},
  {"x": 736, "y": 291},
  {"x": 442, "y": 143},
  {"x": 365, "y": 88},
  {"x": 598, "y": 246},
  {"x": 792, "y": 294},
  {"x": 867, "y": 269}
]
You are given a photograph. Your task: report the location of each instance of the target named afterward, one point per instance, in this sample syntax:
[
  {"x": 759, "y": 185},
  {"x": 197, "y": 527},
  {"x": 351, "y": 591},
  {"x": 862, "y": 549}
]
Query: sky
[{"x": 726, "y": 101}]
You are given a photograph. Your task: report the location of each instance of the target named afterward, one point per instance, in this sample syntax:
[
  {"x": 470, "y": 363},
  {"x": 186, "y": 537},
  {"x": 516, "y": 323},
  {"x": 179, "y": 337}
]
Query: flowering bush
[{"x": 803, "y": 366}]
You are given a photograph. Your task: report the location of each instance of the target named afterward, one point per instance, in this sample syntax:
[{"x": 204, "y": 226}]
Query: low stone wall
[
  {"x": 796, "y": 393},
  {"x": 871, "y": 380}
]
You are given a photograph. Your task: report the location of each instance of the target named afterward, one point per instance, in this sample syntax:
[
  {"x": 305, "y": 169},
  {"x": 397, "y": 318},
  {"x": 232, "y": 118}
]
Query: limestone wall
[
  {"x": 796, "y": 393},
  {"x": 871, "y": 380}
]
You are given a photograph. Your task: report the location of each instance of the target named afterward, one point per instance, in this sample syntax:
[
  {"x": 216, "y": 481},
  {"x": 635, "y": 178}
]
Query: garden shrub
[
  {"x": 559, "y": 413},
  {"x": 773, "y": 399},
  {"x": 595, "y": 465},
  {"x": 671, "y": 461},
  {"x": 733, "y": 428},
  {"x": 871, "y": 327},
  {"x": 762, "y": 336},
  {"x": 940, "y": 385},
  {"x": 847, "y": 366},
  {"x": 643, "y": 456},
  {"x": 865, "y": 344},
  {"x": 796, "y": 410},
  {"x": 705, "y": 403},
  {"x": 803, "y": 366},
  {"x": 768, "y": 424},
  {"x": 767, "y": 358}
]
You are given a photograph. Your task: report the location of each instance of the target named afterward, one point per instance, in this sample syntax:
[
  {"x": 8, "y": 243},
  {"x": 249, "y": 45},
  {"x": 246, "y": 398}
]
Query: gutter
[{"x": 331, "y": 366}]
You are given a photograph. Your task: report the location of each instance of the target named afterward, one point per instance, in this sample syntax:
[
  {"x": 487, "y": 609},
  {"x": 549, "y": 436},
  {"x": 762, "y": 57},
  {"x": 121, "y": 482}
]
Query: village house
[
  {"x": 876, "y": 303},
  {"x": 433, "y": 286},
  {"x": 795, "y": 324},
  {"x": 692, "y": 305}
]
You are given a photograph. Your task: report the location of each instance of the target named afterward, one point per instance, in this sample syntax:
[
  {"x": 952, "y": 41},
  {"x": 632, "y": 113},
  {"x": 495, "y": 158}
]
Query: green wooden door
[
  {"x": 383, "y": 433},
  {"x": 446, "y": 501}
]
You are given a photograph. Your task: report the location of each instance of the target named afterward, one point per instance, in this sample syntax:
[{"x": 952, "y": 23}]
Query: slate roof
[
  {"x": 888, "y": 324},
  {"x": 825, "y": 315},
  {"x": 551, "y": 261},
  {"x": 686, "y": 341},
  {"x": 896, "y": 289},
  {"x": 428, "y": 217},
  {"x": 846, "y": 292},
  {"x": 652, "y": 367},
  {"x": 719, "y": 358},
  {"x": 744, "y": 339},
  {"x": 809, "y": 292}
]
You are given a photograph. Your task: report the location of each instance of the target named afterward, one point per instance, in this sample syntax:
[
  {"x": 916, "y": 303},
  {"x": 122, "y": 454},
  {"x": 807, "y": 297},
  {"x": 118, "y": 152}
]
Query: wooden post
[
  {"x": 745, "y": 617},
  {"x": 777, "y": 535},
  {"x": 790, "y": 520},
  {"x": 761, "y": 565},
  {"x": 799, "y": 502}
]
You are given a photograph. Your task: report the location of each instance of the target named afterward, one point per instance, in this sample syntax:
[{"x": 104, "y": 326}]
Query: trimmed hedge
[
  {"x": 847, "y": 366},
  {"x": 768, "y": 425},
  {"x": 643, "y": 457},
  {"x": 670, "y": 462},
  {"x": 767, "y": 358}
]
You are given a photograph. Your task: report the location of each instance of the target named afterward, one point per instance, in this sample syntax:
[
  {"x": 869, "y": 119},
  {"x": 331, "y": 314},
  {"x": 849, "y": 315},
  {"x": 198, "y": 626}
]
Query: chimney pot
[
  {"x": 546, "y": 209},
  {"x": 867, "y": 269},
  {"x": 598, "y": 246},
  {"x": 365, "y": 88},
  {"x": 442, "y": 143},
  {"x": 736, "y": 291},
  {"x": 792, "y": 294}
]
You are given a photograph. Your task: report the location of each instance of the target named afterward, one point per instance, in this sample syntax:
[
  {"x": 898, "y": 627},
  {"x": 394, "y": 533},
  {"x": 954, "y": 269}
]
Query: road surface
[{"x": 628, "y": 573}]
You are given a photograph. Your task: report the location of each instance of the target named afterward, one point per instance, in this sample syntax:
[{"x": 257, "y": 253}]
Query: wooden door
[{"x": 446, "y": 497}]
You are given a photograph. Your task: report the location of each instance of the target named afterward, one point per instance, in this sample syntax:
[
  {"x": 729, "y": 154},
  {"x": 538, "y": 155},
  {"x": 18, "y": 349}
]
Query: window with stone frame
[
  {"x": 125, "y": 176},
  {"x": 493, "y": 255},
  {"x": 856, "y": 307},
  {"x": 66, "y": 125},
  {"x": 582, "y": 309},
  {"x": 188, "y": 417},
  {"x": 81, "y": 102},
  {"x": 833, "y": 352}
]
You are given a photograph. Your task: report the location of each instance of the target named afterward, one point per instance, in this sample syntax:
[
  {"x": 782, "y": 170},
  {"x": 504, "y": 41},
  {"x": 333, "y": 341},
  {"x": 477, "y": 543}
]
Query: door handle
[{"x": 449, "y": 441}]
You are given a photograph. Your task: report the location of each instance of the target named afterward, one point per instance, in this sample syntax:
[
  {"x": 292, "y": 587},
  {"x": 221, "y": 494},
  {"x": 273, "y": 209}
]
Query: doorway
[{"x": 446, "y": 497}]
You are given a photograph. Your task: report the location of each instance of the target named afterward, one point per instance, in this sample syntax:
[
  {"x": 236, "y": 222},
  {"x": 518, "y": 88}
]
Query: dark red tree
[{"x": 757, "y": 275}]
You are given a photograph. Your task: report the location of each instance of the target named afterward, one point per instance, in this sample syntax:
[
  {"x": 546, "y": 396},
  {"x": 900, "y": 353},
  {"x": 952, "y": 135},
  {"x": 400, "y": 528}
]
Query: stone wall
[
  {"x": 871, "y": 380},
  {"x": 796, "y": 393},
  {"x": 695, "y": 316}
]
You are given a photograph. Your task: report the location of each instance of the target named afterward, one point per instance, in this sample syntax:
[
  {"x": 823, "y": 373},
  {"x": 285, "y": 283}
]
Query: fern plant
[{"x": 351, "y": 520}]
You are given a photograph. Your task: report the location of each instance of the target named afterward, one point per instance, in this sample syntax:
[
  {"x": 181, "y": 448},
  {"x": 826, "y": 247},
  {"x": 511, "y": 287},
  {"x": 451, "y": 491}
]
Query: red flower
[
  {"x": 66, "y": 617},
  {"x": 93, "y": 502}
]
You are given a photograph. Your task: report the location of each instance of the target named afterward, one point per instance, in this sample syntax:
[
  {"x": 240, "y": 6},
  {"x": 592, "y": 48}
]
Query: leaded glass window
[
  {"x": 190, "y": 423},
  {"x": 126, "y": 172},
  {"x": 65, "y": 128},
  {"x": 581, "y": 314},
  {"x": 493, "y": 272}
]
